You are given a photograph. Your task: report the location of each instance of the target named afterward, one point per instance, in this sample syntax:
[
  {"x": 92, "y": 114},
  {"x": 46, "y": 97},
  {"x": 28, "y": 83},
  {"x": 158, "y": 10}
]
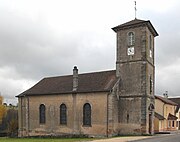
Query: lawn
[{"x": 45, "y": 139}]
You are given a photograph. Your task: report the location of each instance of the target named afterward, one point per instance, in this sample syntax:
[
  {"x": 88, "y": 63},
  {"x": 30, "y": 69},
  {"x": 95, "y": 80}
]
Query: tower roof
[{"x": 136, "y": 23}]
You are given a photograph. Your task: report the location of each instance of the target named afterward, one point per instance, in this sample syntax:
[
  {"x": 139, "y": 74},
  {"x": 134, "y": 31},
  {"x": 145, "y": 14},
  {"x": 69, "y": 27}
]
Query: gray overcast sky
[{"x": 40, "y": 38}]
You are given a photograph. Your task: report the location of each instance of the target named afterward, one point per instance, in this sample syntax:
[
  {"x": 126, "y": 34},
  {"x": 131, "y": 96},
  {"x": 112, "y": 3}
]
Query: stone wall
[
  {"x": 29, "y": 114},
  {"x": 137, "y": 77}
]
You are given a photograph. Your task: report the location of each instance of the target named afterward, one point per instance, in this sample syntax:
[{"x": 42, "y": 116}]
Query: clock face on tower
[{"x": 130, "y": 51}]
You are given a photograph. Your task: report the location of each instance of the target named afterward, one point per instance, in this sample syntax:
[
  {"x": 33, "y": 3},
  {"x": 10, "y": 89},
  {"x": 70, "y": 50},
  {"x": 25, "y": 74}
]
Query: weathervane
[{"x": 135, "y": 8}]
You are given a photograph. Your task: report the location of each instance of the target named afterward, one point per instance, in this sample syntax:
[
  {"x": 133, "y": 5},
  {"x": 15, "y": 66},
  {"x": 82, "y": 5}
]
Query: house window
[
  {"x": 161, "y": 123},
  {"x": 87, "y": 115},
  {"x": 172, "y": 123},
  {"x": 63, "y": 114},
  {"x": 176, "y": 123},
  {"x": 42, "y": 114},
  {"x": 131, "y": 38},
  {"x": 169, "y": 124}
]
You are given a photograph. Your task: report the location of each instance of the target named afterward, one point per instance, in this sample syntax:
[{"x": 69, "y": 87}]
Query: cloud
[
  {"x": 168, "y": 78},
  {"x": 47, "y": 38},
  {"x": 29, "y": 47},
  {"x": 11, "y": 84},
  {"x": 30, "y": 50}
]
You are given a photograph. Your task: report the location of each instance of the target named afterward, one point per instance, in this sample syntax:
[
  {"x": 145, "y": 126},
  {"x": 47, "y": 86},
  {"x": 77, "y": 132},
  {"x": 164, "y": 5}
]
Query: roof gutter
[{"x": 62, "y": 93}]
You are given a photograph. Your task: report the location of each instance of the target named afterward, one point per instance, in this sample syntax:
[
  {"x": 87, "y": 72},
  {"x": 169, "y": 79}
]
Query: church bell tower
[{"x": 136, "y": 70}]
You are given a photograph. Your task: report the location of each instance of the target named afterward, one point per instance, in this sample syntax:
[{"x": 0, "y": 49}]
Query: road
[
  {"x": 174, "y": 137},
  {"x": 162, "y": 138}
]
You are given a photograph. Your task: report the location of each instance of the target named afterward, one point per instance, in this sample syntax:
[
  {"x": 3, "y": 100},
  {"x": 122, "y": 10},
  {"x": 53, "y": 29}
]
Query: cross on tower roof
[{"x": 135, "y": 8}]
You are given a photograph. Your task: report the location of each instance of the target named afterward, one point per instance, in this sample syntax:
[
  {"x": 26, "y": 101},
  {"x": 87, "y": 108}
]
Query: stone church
[{"x": 100, "y": 104}]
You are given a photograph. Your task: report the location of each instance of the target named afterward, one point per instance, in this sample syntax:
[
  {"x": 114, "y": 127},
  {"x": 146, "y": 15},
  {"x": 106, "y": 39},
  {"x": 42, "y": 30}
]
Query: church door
[
  {"x": 150, "y": 123},
  {"x": 151, "y": 113}
]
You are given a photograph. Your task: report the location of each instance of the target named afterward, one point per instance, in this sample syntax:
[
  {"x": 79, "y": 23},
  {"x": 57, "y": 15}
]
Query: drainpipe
[
  {"x": 163, "y": 109},
  {"x": 164, "y": 117},
  {"x": 21, "y": 116},
  {"x": 107, "y": 131},
  {"x": 107, "y": 116},
  {"x": 27, "y": 115}
]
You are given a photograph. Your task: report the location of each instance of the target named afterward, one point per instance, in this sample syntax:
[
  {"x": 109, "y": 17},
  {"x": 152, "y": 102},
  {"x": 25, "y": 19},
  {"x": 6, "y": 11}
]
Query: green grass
[{"x": 45, "y": 139}]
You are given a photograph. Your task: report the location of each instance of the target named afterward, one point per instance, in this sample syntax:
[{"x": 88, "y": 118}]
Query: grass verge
[{"x": 45, "y": 139}]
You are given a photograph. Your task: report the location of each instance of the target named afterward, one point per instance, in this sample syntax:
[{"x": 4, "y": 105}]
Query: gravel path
[{"x": 122, "y": 139}]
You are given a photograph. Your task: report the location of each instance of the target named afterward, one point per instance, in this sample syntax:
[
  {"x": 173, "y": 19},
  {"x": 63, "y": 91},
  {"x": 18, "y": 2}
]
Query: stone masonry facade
[{"x": 121, "y": 101}]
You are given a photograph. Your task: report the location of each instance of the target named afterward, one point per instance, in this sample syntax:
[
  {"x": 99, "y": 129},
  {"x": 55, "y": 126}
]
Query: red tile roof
[{"x": 88, "y": 82}]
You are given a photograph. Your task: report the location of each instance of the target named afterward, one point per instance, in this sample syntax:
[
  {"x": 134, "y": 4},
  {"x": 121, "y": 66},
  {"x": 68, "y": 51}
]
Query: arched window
[
  {"x": 131, "y": 38},
  {"x": 87, "y": 115},
  {"x": 63, "y": 114},
  {"x": 42, "y": 114}
]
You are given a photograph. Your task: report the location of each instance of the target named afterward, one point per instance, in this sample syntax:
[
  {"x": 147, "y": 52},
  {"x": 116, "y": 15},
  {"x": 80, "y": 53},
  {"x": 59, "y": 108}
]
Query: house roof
[
  {"x": 166, "y": 100},
  {"x": 172, "y": 117},
  {"x": 176, "y": 100},
  {"x": 88, "y": 82},
  {"x": 158, "y": 116},
  {"x": 136, "y": 23}
]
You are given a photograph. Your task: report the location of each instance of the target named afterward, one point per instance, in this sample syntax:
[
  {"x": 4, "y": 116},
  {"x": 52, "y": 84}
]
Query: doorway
[
  {"x": 151, "y": 116},
  {"x": 150, "y": 123}
]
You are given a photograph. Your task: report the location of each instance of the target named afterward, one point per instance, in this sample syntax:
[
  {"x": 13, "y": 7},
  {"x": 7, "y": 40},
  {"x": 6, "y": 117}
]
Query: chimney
[
  {"x": 165, "y": 94},
  {"x": 75, "y": 78}
]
